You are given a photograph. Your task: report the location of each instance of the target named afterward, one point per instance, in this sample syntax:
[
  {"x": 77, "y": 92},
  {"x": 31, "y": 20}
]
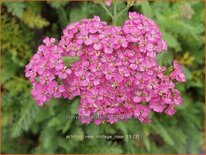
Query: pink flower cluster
[{"x": 117, "y": 75}]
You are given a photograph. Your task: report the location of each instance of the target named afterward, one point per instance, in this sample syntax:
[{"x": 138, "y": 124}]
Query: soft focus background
[{"x": 27, "y": 128}]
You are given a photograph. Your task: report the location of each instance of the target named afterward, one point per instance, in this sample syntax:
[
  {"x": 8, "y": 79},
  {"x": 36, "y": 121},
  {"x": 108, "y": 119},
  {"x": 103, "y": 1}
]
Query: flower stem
[
  {"x": 120, "y": 13},
  {"x": 114, "y": 21},
  {"x": 115, "y": 14},
  {"x": 105, "y": 8}
]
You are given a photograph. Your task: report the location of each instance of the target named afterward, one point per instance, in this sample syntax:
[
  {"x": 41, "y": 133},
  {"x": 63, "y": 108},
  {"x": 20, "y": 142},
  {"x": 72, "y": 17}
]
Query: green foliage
[
  {"x": 61, "y": 12},
  {"x": 28, "y": 114},
  {"x": 146, "y": 9},
  {"x": 75, "y": 14},
  {"x": 27, "y": 128},
  {"x": 33, "y": 20},
  {"x": 27, "y": 14},
  {"x": 69, "y": 60},
  {"x": 56, "y": 4},
  {"x": 16, "y": 8},
  {"x": 18, "y": 42}
]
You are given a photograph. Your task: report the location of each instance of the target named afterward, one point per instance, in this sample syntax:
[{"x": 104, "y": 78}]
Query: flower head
[{"x": 116, "y": 76}]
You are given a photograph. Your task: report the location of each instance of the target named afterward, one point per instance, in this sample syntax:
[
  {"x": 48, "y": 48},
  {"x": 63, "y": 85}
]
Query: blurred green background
[{"x": 27, "y": 128}]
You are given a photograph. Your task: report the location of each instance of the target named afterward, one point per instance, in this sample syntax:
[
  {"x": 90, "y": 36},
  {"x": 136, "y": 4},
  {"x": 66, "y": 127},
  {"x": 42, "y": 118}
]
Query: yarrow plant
[{"x": 117, "y": 75}]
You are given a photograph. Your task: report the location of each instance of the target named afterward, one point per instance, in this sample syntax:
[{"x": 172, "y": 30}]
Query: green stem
[
  {"x": 105, "y": 8},
  {"x": 125, "y": 9},
  {"x": 120, "y": 13},
  {"x": 114, "y": 21},
  {"x": 116, "y": 15}
]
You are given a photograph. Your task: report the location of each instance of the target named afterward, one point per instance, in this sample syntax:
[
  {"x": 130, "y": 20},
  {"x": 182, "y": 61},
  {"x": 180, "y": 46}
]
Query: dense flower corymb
[{"x": 116, "y": 76}]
